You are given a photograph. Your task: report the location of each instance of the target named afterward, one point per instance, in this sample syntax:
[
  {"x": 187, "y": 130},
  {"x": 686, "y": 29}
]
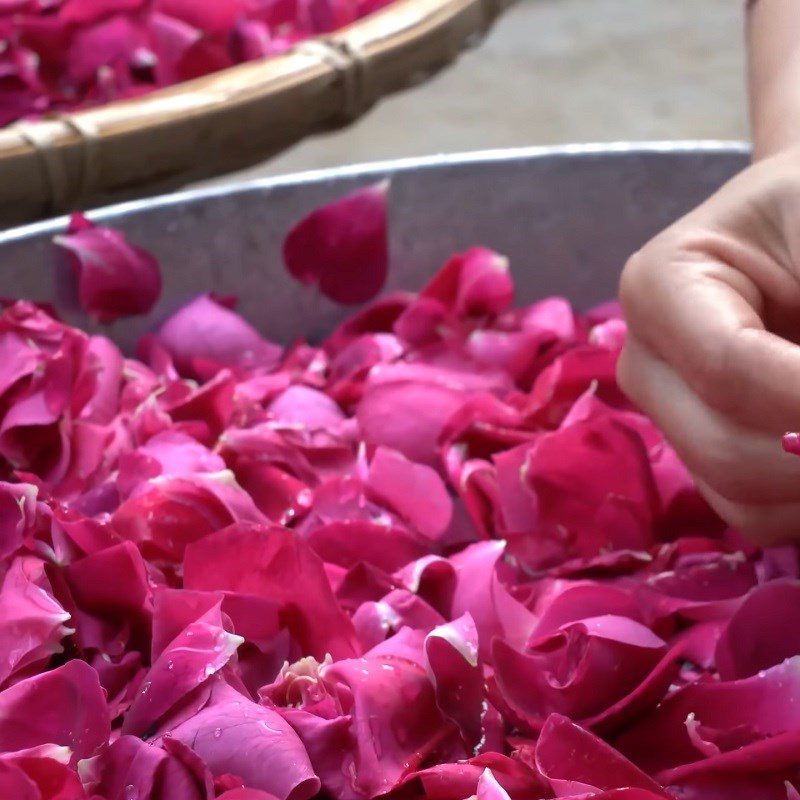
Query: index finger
[{"x": 703, "y": 316}]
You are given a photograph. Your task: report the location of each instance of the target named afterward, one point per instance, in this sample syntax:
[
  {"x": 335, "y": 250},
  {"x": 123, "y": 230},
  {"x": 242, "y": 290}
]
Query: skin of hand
[
  {"x": 772, "y": 35},
  {"x": 713, "y": 307},
  {"x": 713, "y": 310}
]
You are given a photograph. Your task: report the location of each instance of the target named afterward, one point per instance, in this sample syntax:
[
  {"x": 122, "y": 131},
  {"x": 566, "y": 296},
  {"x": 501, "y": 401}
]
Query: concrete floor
[{"x": 561, "y": 71}]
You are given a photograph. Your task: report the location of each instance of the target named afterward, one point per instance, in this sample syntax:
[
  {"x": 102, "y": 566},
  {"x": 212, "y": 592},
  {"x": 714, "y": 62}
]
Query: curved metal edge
[{"x": 375, "y": 168}]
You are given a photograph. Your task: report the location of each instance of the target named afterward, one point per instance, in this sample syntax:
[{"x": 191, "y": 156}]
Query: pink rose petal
[
  {"x": 343, "y": 246},
  {"x": 115, "y": 278},
  {"x": 65, "y": 706},
  {"x": 232, "y": 734},
  {"x": 599, "y": 766},
  {"x": 272, "y": 563},
  {"x": 204, "y": 337}
]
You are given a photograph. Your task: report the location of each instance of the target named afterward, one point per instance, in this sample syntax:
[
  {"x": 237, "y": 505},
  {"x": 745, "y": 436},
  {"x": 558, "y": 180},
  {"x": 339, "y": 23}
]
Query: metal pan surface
[{"x": 567, "y": 217}]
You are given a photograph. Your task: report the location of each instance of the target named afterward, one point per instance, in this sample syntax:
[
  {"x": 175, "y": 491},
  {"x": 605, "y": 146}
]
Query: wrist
[{"x": 773, "y": 61}]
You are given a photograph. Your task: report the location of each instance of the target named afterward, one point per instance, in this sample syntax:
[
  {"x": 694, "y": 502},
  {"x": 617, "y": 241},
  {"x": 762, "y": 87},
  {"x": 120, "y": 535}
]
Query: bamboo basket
[{"x": 230, "y": 119}]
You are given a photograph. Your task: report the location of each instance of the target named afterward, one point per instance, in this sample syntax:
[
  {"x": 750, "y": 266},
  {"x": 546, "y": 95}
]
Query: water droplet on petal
[{"x": 264, "y": 724}]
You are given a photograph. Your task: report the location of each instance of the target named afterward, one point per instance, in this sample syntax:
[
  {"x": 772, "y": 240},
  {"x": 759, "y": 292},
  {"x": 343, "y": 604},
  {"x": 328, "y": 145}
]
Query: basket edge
[{"x": 130, "y": 147}]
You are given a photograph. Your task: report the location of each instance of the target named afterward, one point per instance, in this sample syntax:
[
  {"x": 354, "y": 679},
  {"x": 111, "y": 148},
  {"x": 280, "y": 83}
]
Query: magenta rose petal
[
  {"x": 15, "y": 783},
  {"x": 326, "y": 742},
  {"x": 763, "y": 631},
  {"x": 489, "y": 788},
  {"x": 113, "y": 581},
  {"x": 396, "y": 723},
  {"x": 208, "y": 17},
  {"x": 640, "y": 699},
  {"x": 152, "y": 771},
  {"x": 628, "y": 794},
  {"x": 599, "y": 767},
  {"x": 411, "y": 610},
  {"x": 348, "y": 543},
  {"x": 728, "y": 714},
  {"x": 451, "y": 659},
  {"x": 473, "y": 283},
  {"x": 233, "y": 735},
  {"x": 204, "y": 337},
  {"x": 48, "y": 770},
  {"x": 583, "y": 670},
  {"x": 590, "y": 480},
  {"x": 167, "y": 513},
  {"x": 459, "y": 780},
  {"x": 201, "y": 650},
  {"x": 271, "y": 562},
  {"x": 32, "y": 624},
  {"x": 479, "y": 592},
  {"x": 114, "y": 278},
  {"x": 65, "y": 706},
  {"x": 414, "y": 491},
  {"x": 83, "y": 11},
  {"x": 17, "y": 514},
  {"x": 580, "y": 599},
  {"x": 407, "y": 644},
  {"x": 761, "y": 757},
  {"x": 406, "y": 406},
  {"x": 561, "y": 383},
  {"x": 301, "y": 405},
  {"x": 343, "y": 247},
  {"x": 791, "y": 443}
]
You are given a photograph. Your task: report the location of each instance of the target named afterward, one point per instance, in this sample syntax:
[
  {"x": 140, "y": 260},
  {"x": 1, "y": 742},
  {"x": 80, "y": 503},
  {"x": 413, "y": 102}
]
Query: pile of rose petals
[
  {"x": 57, "y": 55},
  {"x": 438, "y": 555}
]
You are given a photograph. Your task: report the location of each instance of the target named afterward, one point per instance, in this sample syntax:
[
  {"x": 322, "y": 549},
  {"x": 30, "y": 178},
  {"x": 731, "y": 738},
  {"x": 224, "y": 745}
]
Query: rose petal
[
  {"x": 204, "y": 337},
  {"x": 599, "y": 767},
  {"x": 115, "y": 278},
  {"x": 451, "y": 656},
  {"x": 65, "y": 706},
  {"x": 762, "y": 633},
  {"x": 414, "y": 491},
  {"x": 343, "y": 246},
  {"x": 270, "y": 562},
  {"x": 198, "y": 652},
  {"x": 128, "y": 764},
  {"x": 32, "y": 624},
  {"x": 231, "y": 734}
]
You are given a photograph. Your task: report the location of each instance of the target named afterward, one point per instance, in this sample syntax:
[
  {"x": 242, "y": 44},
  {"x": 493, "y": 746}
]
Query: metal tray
[{"x": 567, "y": 217}]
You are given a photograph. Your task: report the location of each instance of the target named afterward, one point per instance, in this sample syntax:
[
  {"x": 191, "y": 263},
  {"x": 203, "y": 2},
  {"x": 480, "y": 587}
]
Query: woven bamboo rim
[{"x": 230, "y": 119}]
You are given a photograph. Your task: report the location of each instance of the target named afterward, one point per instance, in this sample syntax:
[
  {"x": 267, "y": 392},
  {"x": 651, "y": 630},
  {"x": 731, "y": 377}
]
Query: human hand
[{"x": 713, "y": 309}]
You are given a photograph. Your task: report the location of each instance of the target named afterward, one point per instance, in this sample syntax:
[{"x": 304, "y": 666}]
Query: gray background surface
[{"x": 555, "y": 71}]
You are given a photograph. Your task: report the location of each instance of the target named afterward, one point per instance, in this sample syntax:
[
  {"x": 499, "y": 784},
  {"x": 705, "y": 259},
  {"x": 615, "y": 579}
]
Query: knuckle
[
  {"x": 631, "y": 280},
  {"x": 710, "y": 459},
  {"x": 754, "y": 521},
  {"x": 708, "y": 376},
  {"x": 715, "y": 377},
  {"x": 641, "y": 273},
  {"x": 626, "y": 371},
  {"x": 723, "y": 465},
  {"x": 720, "y": 470}
]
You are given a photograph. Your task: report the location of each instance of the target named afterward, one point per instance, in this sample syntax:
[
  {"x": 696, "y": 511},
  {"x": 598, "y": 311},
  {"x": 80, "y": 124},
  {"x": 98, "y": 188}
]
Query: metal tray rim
[{"x": 372, "y": 168}]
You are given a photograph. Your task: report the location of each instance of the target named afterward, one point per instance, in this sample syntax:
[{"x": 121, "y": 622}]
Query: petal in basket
[{"x": 94, "y": 53}]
